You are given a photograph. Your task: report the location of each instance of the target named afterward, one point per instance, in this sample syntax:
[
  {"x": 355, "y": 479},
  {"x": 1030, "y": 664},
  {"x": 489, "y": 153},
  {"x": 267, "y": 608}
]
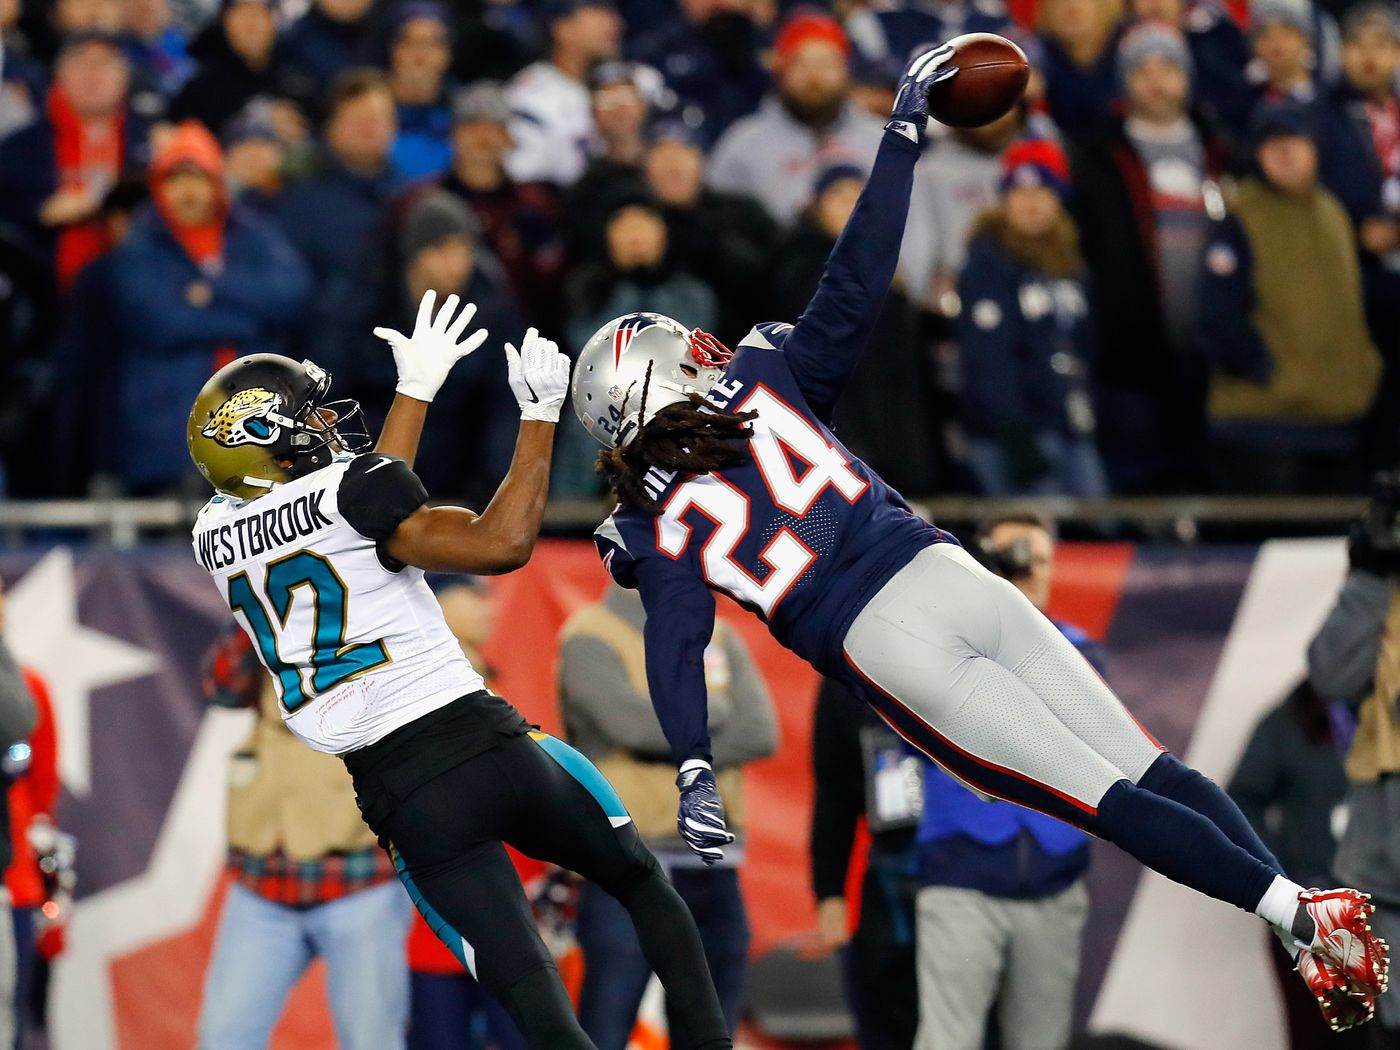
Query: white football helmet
[{"x": 636, "y": 359}]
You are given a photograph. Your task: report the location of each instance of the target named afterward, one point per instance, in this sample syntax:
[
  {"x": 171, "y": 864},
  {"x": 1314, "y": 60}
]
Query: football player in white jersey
[{"x": 319, "y": 551}]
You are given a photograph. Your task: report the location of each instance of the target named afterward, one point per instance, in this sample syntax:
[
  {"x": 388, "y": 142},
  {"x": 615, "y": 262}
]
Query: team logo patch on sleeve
[{"x": 250, "y": 417}]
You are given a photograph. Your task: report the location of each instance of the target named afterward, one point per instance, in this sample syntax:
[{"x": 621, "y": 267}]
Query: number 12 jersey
[{"x": 356, "y": 644}]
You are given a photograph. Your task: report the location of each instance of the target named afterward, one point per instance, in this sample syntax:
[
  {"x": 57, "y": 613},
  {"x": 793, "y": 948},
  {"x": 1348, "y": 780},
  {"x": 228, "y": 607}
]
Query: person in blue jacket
[
  {"x": 1002, "y": 901},
  {"x": 1026, "y": 338},
  {"x": 197, "y": 282}
]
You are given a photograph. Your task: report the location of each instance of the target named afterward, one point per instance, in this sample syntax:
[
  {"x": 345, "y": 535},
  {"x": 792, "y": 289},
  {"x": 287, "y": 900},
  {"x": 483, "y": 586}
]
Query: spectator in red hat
[
  {"x": 1027, "y": 338},
  {"x": 808, "y": 124}
]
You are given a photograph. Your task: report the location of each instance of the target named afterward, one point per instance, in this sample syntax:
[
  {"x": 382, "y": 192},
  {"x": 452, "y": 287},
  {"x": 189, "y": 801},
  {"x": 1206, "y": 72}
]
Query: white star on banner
[{"x": 42, "y": 630}]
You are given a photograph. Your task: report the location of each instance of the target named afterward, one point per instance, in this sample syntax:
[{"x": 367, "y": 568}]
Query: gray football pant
[
  {"x": 967, "y": 670},
  {"x": 975, "y": 951}
]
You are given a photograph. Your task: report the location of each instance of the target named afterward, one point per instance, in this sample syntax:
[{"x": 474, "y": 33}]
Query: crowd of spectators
[{"x": 1174, "y": 267}]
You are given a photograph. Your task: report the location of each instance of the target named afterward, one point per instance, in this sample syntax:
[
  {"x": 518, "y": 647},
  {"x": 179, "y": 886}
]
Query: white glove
[
  {"x": 424, "y": 361},
  {"x": 539, "y": 377}
]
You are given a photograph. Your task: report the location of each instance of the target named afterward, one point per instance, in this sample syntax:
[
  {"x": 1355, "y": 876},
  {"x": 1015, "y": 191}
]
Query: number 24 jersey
[{"x": 802, "y": 533}]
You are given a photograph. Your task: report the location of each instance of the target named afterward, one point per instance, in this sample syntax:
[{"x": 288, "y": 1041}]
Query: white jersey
[{"x": 357, "y": 647}]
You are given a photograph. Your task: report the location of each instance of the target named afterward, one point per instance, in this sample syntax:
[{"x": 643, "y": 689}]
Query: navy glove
[
  {"x": 701, "y": 816},
  {"x": 910, "y": 113}
]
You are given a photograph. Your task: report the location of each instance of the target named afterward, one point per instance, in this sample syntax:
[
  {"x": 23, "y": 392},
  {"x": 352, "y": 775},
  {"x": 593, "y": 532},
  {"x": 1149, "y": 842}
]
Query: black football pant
[{"x": 549, "y": 802}]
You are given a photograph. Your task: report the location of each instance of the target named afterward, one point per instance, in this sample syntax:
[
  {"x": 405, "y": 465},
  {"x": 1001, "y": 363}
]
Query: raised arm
[
  {"x": 827, "y": 340},
  {"x": 502, "y": 537},
  {"x": 423, "y": 362}
]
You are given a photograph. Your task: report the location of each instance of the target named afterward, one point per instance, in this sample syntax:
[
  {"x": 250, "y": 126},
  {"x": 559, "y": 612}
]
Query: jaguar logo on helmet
[{"x": 249, "y": 417}]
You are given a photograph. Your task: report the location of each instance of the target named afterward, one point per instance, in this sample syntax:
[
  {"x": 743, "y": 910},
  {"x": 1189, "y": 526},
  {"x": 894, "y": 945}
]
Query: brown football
[{"x": 991, "y": 77}]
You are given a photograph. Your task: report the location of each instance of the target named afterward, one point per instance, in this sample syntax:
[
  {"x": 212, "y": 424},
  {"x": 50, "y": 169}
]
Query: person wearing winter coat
[
  {"x": 1026, "y": 338},
  {"x": 197, "y": 282}
]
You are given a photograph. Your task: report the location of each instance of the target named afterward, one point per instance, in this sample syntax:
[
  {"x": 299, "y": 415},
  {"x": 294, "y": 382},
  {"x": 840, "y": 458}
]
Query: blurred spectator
[
  {"x": 897, "y": 445},
  {"x": 332, "y": 37},
  {"x": 897, "y": 31},
  {"x": 864, "y": 774},
  {"x": 18, "y": 718},
  {"x": 1027, "y": 340},
  {"x": 711, "y": 58},
  {"x": 1292, "y": 785},
  {"x": 520, "y": 222},
  {"x": 196, "y": 283},
  {"x": 467, "y": 441},
  {"x": 308, "y": 880},
  {"x": 420, "y": 52},
  {"x": 331, "y": 215},
  {"x": 621, "y": 94},
  {"x": 1219, "y": 55},
  {"x": 253, "y": 158},
  {"x": 1143, "y": 196},
  {"x": 1080, "y": 62},
  {"x": 724, "y": 239},
  {"x": 24, "y": 80},
  {"x": 1354, "y": 660},
  {"x": 553, "y": 117},
  {"x": 1002, "y": 902},
  {"x": 954, "y": 182},
  {"x": 609, "y": 717},
  {"x": 156, "y": 47},
  {"x": 237, "y": 55},
  {"x": 58, "y": 168},
  {"x": 1283, "y": 324},
  {"x": 1281, "y": 41},
  {"x": 1359, "y": 143},
  {"x": 809, "y": 123},
  {"x": 636, "y": 272}
]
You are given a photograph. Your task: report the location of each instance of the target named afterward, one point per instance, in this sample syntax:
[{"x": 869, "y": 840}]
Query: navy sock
[
  {"x": 1181, "y": 844},
  {"x": 1173, "y": 779}
]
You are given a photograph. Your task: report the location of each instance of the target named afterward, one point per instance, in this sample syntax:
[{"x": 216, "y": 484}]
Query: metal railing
[{"x": 125, "y": 522}]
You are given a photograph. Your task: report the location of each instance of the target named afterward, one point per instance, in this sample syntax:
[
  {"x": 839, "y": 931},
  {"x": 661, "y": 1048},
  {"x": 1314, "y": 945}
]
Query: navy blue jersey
[{"x": 802, "y": 533}]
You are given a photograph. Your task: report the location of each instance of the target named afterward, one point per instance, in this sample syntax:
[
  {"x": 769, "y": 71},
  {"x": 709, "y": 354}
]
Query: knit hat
[
  {"x": 555, "y": 9},
  {"x": 483, "y": 101},
  {"x": 1152, "y": 40},
  {"x": 1278, "y": 120},
  {"x": 254, "y": 121},
  {"x": 1295, "y": 13},
  {"x": 433, "y": 218},
  {"x": 416, "y": 9},
  {"x": 1035, "y": 162},
  {"x": 834, "y": 173},
  {"x": 1372, "y": 16},
  {"x": 806, "y": 26},
  {"x": 674, "y": 129}
]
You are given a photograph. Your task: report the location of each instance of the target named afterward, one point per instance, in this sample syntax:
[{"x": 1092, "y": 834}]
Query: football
[{"x": 991, "y": 77}]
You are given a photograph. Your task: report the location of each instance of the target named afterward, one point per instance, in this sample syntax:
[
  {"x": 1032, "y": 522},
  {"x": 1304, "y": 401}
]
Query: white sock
[{"x": 1280, "y": 903}]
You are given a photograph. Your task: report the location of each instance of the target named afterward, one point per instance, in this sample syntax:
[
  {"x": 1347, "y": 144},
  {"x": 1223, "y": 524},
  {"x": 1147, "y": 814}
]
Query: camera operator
[
  {"x": 1355, "y": 659},
  {"x": 1002, "y": 901}
]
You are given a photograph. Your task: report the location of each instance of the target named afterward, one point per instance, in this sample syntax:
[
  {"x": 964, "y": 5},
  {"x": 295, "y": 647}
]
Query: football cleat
[
  {"x": 1345, "y": 941},
  {"x": 1341, "y": 1008}
]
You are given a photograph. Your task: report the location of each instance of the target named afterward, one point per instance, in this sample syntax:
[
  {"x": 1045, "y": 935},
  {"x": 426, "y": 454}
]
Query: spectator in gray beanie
[
  {"x": 1295, "y": 46},
  {"x": 1153, "y": 40},
  {"x": 466, "y": 444}
]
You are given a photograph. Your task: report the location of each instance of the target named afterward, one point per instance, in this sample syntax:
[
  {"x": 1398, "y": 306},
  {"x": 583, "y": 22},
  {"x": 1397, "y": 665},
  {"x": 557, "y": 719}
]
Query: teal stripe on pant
[
  {"x": 442, "y": 929},
  {"x": 586, "y": 773}
]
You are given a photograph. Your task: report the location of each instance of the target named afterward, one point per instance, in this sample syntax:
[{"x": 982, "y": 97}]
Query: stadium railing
[{"x": 123, "y": 523}]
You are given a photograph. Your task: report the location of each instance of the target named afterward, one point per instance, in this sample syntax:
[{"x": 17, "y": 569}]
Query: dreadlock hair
[{"x": 689, "y": 436}]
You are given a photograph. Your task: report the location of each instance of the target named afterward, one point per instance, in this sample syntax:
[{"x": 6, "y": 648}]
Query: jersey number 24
[
  {"x": 332, "y": 661},
  {"x": 780, "y": 435}
]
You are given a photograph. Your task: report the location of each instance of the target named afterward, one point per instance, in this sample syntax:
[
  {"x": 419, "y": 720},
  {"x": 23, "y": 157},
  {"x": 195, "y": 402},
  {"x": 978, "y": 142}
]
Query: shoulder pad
[{"x": 771, "y": 335}]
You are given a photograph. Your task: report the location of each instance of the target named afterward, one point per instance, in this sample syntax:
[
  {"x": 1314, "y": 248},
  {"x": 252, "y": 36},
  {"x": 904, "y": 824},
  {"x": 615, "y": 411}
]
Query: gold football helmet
[{"x": 264, "y": 419}]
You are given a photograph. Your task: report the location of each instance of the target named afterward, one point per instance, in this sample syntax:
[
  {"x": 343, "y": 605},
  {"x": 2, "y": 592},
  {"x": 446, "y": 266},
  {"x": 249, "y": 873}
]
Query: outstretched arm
[
  {"x": 502, "y": 537},
  {"x": 423, "y": 362},
  {"x": 827, "y": 340}
]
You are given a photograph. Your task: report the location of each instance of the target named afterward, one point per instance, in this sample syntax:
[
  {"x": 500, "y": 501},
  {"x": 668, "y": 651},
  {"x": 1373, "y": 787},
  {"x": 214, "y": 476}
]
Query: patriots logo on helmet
[
  {"x": 626, "y": 331},
  {"x": 249, "y": 417}
]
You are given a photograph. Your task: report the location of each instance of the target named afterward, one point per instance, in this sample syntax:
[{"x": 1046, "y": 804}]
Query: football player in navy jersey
[{"x": 729, "y": 479}]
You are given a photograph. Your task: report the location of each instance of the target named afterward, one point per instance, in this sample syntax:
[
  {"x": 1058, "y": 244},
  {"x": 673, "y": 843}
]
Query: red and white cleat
[
  {"x": 1341, "y": 1008},
  {"x": 1344, "y": 939}
]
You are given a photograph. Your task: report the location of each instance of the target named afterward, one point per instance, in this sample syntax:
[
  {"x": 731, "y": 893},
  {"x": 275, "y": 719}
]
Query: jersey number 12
[{"x": 332, "y": 661}]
